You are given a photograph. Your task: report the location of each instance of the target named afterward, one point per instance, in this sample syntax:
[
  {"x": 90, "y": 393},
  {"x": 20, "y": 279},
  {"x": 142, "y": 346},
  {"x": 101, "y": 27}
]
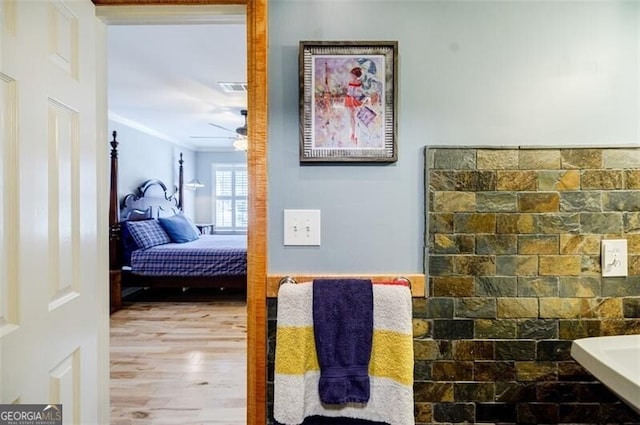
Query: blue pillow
[
  {"x": 147, "y": 233},
  {"x": 179, "y": 228}
]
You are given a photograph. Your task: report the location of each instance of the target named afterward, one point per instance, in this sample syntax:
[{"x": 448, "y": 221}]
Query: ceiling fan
[
  {"x": 242, "y": 131},
  {"x": 239, "y": 139}
]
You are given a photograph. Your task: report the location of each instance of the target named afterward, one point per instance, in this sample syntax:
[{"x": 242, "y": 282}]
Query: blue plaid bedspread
[{"x": 209, "y": 255}]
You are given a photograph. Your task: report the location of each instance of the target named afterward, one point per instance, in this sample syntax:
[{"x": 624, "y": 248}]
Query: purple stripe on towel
[{"x": 343, "y": 330}]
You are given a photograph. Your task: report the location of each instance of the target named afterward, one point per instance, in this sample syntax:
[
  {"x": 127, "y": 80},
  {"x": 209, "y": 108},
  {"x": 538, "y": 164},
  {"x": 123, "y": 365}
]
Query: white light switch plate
[
  {"x": 614, "y": 257},
  {"x": 302, "y": 227}
]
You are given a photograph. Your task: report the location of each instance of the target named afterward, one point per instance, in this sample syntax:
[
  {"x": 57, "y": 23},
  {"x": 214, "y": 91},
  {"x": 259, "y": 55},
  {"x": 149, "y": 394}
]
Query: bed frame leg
[{"x": 115, "y": 290}]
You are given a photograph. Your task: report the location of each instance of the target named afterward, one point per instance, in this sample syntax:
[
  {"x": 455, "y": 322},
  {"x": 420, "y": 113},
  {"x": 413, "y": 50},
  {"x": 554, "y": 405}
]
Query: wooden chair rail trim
[{"x": 417, "y": 280}]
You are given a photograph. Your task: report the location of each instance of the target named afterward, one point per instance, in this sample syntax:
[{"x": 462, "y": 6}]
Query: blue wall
[{"x": 470, "y": 73}]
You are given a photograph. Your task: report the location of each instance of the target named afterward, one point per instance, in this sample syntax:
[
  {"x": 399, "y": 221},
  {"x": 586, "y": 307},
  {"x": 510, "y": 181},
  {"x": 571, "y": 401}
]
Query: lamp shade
[{"x": 194, "y": 184}]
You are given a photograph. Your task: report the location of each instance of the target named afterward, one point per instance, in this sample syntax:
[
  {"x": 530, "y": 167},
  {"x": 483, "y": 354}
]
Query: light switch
[
  {"x": 302, "y": 227},
  {"x": 614, "y": 257}
]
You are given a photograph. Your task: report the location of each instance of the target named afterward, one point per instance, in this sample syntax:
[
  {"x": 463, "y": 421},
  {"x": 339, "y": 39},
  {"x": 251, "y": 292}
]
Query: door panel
[
  {"x": 54, "y": 270},
  {"x": 8, "y": 207}
]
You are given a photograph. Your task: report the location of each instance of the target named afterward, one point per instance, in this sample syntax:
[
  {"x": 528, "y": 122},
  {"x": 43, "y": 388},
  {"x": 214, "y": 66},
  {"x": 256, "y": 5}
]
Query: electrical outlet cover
[{"x": 614, "y": 257}]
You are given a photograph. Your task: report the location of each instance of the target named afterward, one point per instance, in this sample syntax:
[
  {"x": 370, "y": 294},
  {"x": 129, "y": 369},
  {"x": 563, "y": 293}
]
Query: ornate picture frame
[{"x": 348, "y": 101}]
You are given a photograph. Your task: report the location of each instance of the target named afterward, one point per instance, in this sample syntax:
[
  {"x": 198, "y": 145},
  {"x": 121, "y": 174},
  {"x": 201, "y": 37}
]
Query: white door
[{"x": 53, "y": 267}]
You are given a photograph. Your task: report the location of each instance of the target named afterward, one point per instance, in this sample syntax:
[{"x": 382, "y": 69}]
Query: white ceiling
[{"x": 164, "y": 79}]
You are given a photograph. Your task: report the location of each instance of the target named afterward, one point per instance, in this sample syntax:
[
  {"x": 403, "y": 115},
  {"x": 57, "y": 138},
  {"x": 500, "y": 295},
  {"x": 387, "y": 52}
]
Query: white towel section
[
  {"x": 295, "y": 304},
  {"x": 389, "y": 401},
  {"x": 295, "y": 310},
  {"x": 390, "y": 305}
]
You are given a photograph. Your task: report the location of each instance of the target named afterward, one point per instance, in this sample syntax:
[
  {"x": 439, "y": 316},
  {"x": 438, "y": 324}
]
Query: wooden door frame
[{"x": 256, "y": 15}]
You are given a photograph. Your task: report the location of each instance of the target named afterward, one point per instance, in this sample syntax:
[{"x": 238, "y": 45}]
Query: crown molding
[{"x": 139, "y": 13}]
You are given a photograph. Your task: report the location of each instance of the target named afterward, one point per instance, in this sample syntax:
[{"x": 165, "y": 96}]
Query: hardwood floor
[{"x": 181, "y": 361}]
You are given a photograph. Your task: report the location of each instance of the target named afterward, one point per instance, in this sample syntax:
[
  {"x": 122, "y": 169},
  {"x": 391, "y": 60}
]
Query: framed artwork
[{"x": 348, "y": 101}]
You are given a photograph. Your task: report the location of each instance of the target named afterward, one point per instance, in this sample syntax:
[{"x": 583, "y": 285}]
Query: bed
[{"x": 153, "y": 244}]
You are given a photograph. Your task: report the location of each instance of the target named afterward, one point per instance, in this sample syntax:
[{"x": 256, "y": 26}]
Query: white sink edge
[{"x": 614, "y": 361}]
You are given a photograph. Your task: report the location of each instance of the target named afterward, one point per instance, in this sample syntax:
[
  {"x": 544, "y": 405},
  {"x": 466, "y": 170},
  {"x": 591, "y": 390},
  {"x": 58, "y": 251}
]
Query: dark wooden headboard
[{"x": 151, "y": 200}]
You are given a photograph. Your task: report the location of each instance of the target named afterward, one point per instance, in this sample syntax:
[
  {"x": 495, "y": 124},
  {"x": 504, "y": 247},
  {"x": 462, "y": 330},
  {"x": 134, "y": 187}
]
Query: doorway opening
[{"x": 256, "y": 160}]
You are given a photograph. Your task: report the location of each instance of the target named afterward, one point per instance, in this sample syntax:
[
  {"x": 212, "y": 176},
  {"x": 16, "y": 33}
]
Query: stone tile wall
[{"x": 514, "y": 276}]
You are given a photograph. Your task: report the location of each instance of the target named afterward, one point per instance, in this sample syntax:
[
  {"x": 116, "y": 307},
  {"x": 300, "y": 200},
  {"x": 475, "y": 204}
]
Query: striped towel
[{"x": 297, "y": 372}]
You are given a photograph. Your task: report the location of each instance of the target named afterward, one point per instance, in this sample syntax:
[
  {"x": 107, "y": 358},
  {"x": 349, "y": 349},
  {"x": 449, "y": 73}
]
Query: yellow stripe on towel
[
  {"x": 296, "y": 353},
  {"x": 390, "y": 354}
]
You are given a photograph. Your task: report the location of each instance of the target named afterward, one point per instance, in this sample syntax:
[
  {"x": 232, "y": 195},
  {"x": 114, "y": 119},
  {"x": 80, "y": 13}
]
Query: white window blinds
[{"x": 230, "y": 197}]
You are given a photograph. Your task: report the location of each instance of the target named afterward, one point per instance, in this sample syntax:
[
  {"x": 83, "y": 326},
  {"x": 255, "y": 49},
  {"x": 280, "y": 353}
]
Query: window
[{"x": 230, "y": 197}]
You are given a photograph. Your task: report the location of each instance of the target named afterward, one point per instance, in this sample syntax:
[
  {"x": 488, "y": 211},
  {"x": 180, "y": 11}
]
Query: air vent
[{"x": 234, "y": 87}]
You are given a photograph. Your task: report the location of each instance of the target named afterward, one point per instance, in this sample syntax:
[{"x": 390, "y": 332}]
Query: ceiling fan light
[{"x": 241, "y": 144}]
